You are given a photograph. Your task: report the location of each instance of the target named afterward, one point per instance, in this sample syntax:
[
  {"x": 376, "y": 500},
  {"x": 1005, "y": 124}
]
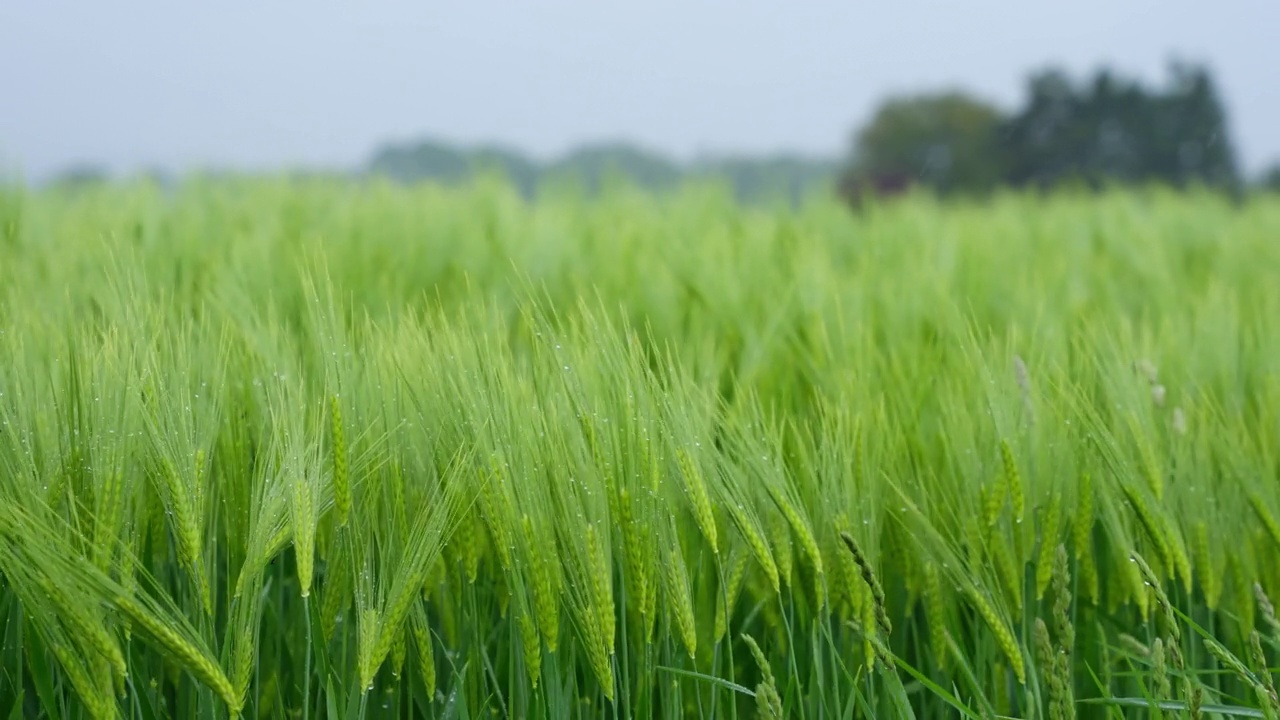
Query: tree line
[
  {"x": 1093, "y": 132},
  {"x": 1101, "y": 131},
  {"x": 592, "y": 167}
]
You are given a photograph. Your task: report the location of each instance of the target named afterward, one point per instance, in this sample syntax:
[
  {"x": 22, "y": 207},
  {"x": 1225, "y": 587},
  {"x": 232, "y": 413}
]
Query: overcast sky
[{"x": 234, "y": 83}]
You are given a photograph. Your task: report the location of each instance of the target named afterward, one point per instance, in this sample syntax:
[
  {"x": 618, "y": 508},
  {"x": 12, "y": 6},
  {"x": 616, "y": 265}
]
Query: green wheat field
[{"x": 318, "y": 449}]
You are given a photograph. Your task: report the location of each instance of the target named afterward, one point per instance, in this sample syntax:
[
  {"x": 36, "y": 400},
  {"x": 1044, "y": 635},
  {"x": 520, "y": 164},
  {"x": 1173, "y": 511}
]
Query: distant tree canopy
[
  {"x": 775, "y": 177},
  {"x": 81, "y": 175},
  {"x": 1114, "y": 129},
  {"x": 946, "y": 141},
  {"x": 593, "y": 166},
  {"x": 445, "y": 163},
  {"x": 1271, "y": 179},
  {"x": 1106, "y": 130},
  {"x": 1097, "y": 131}
]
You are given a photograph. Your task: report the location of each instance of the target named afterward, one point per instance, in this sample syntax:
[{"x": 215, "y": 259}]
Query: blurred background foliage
[{"x": 1095, "y": 132}]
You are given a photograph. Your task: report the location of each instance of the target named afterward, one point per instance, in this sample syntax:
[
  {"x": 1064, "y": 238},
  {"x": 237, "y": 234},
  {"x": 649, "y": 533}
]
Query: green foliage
[
  {"x": 1115, "y": 130},
  {"x": 316, "y": 449},
  {"x": 947, "y": 142},
  {"x": 770, "y": 178},
  {"x": 1271, "y": 179},
  {"x": 593, "y": 169},
  {"x": 1109, "y": 130},
  {"x": 427, "y": 160},
  {"x": 596, "y": 165}
]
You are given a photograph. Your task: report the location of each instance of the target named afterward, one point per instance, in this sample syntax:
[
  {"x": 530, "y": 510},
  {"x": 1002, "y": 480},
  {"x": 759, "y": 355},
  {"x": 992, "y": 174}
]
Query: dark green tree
[
  {"x": 426, "y": 160},
  {"x": 1113, "y": 129},
  {"x": 1271, "y": 179},
  {"x": 945, "y": 141}
]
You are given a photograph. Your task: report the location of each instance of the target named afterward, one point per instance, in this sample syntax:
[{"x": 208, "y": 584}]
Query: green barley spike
[
  {"x": 1013, "y": 480},
  {"x": 341, "y": 473}
]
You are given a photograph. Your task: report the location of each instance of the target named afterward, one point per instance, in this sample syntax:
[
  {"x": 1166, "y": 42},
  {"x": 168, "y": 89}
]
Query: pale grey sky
[{"x": 270, "y": 83}]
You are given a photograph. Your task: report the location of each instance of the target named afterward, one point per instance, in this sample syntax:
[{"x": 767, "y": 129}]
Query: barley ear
[
  {"x": 869, "y": 577},
  {"x": 1265, "y": 697},
  {"x": 1264, "y": 514},
  {"x": 1004, "y": 636},
  {"x": 1007, "y": 570},
  {"x": 196, "y": 660},
  {"x": 1082, "y": 538},
  {"x": 546, "y": 606},
  {"x": 726, "y": 600},
  {"x": 768, "y": 702},
  {"x": 422, "y": 645},
  {"x": 1267, "y": 610},
  {"x": 680, "y": 600},
  {"x": 1013, "y": 479},
  {"x": 1048, "y": 660},
  {"x": 1210, "y": 581},
  {"x": 803, "y": 533},
  {"x": 1062, "y": 603},
  {"x": 341, "y": 472},
  {"x": 336, "y": 592},
  {"x": 1045, "y": 563},
  {"x": 86, "y": 628},
  {"x": 637, "y": 567},
  {"x": 302, "y": 512},
  {"x": 759, "y": 548},
  {"x": 1259, "y": 658},
  {"x": 936, "y": 614},
  {"x": 1133, "y": 645},
  {"x": 993, "y": 499},
  {"x": 1167, "y": 616},
  {"x": 696, "y": 489},
  {"x": 530, "y": 644},
  {"x": 367, "y": 633},
  {"x": 399, "y": 648},
  {"x": 99, "y": 707},
  {"x": 601, "y": 586},
  {"x": 1160, "y": 674},
  {"x": 244, "y": 644},
  {"x": 783, "y": 552}
]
